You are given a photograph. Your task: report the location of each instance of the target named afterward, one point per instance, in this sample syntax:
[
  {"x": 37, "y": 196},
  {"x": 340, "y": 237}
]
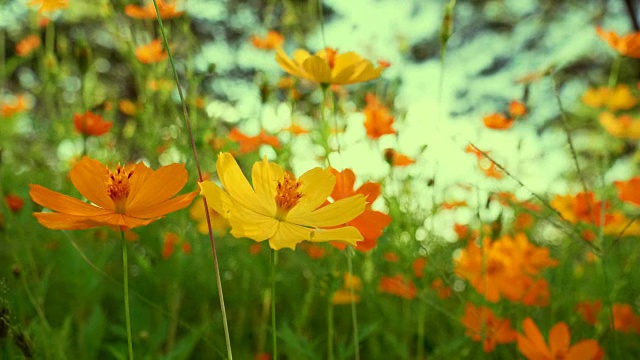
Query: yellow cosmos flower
[
  {"x": 328, "y": 67},
  {"x": 279, "y": 207}
]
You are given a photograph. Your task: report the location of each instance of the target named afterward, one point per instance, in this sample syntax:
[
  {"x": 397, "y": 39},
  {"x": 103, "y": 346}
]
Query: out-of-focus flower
[
  {"x": 581, "y": 207},
  {"x": 450, "y": 205},
  {"x": 418, "y": 266},
  {"x": 218, "y": 223},
  {"x": 127, "y": 197},
  {"x": 345, "y": 295},
  {"x": 589, "y": 311},
  {"x": 614, "y": 99},
  {"x": 625, "y": 319},
  {"x": 399, "y": 286},
  {"x": 516, "y": 108},
  {"x": 151, "y": 53},
  {"x": 629, "y": 191},
  {"x": 483, "y": 325},
  {"x": 384, "y": 64},
  {"x": 328, "y": 67},
  {"x": 370, "y": 223},
  {"x": 533, "y": 346},
  {"x": 271, "y": 41},
  {"x": 315, "y": 251},
  {"x": 391, "y": 257},
  {"x": 623, "y": 127},
  {"x": 14, "y": 202},
  {"x": 160, "y": 84},
  {"x": 49, "y": 5},
  {"x": 377, "y": 121},
  {"x": 167, "y": 10},
  {"x": 395, "y": 158},
  {"x": 487, "y": 166},
  {"x": 442, "y": 290},
  {"x": 497, "y": 121},
  {"x": 28, "y": 45},
  {"x": 296, "y": 129},
  {"x": 127, "y": 107},
  {"x": 170, "y": 241},
  {"x": 91, "y": 124},
  {"x": 461, "y": 230},
  {"x": 250, "y": 144},
  {"x": 20, "y": 104},
  {"x": 279, "y": 207},
  {"x": 628, "y": 45}
]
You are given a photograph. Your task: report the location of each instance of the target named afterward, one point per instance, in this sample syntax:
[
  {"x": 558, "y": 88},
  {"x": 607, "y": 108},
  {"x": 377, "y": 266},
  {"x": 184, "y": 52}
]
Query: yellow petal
[
  {"x": 265, "y": 176},
  {"x": 158, "y": 187},
  {"x": 289, "y": 235},
  {"x": 250, "y": 224},
  {"x": 63, "y": 203},
  {"x": 90, "y": 178},
  {"x": 217, "y": 199},
  {"x": 338, "y": 213},
  {"x": 287, "y": 64},
  {"x": 348, "y": 234},
  {"x": 300, "y": 55},
  {"x": 237, "y": 185},
  {"x": 315, "y": 186},
  {"x": 318, "y": 69}
]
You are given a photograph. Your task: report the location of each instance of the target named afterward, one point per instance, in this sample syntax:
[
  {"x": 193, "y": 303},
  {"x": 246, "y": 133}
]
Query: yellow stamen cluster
[
  {"x": 118, "y": 187},
  {"x": 287, "y": 194}
]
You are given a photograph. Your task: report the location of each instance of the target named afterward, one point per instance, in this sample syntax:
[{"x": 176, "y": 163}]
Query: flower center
[
  {"x": 287, "y": 193},
  {"x": 118, "y": 187},
  {"x": 331, "y": 57}
]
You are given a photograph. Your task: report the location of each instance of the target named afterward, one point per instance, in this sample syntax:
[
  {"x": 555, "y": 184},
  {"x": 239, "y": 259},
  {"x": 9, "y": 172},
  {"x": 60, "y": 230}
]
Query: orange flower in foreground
[
  {"x": 533, "y": 346},
  {"x": 399, "y": 286},
  {"x": 91, "y": 124},
  {"x": 127, "y": 197},
  {"x": 14, "y": 202},
  {"x": 589, "y": 311},
  {"x": 28, "y": 45},
  {"x": 628, "y": 45},
  {"x": 395, "y": 158},
  {"x": 497, "y": 121},
  {"x": 483, "y": 325},
  {"x": 166, "y": 10},
  {"x": 370, "y": 223},
  {"x": 271, "y": 41},
  {"x": 151, "y": 53},
  {"x": 629, "y": 191},
  {"x": 20, "y": 104},
  {"x": 252, "y": 143},
  {"x": 624, "y": 319},
  {"x": 623, "y": 127},
  {"x": 377, "y": 121},
  {"x": 49, "y": 5}
]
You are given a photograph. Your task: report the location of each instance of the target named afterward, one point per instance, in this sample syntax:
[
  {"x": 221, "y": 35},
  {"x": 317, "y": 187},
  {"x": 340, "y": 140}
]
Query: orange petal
[
  {"x": 370, "y": 190},
  {"x": 559, "y": 338},
  {"x": 90, "y": 178},
  {"x": 169, "y": 206},
  {"x": 586, "y": 349},
  {"x": 63, "y": 203},
  {"x": 159, "y": 186},
  {"x": 344, "y": 183},
  {"x": 58, "y": 221},
  {"x": 534, "y": 336}
]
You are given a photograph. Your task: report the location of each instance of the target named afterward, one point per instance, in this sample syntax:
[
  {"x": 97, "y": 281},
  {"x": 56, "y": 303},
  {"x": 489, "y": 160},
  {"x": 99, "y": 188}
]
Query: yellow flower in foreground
[
  {"x": 127, "y": 197},
  {"x": 279, "y": 207},
  {"x": 328, "y": 67}
]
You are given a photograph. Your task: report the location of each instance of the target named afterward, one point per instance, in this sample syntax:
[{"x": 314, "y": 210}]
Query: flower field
[{"x": 309, "y": 179}]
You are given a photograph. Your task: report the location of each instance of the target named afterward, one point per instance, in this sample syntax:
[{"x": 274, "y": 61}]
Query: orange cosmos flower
[
  {"x": 151, "y": 53},
  {"x": 628, "y": 45},
  {"x": 497, "y": 121},
  {"x": 91, "y": 124},
  {"x": 370, "y": 223},
  {"x": 581, "y": 207},
  {"x": 377, "y": 121},
  {"x": 127, "y": 197},
  {"x": 418, "y": 266},
  {"x": 399, "y": 286},
  {"x": 167, "y": 10},
  {"x": 589, "y": 311},
  {"x": 49, "y": 5},
  {"x": 271, "y": 41},
  {"x": 328, "y": 67},
  {"x": 296, "y": 129},
  {"x": 252, "y": 143},
  {"x": 483, "y": 325},
  {"x": 395, "y": 158},
  {"x": 533, "y": 346},
  {"x": 14, "y": 202},
  {"x": 623, "y": 127},
  {"x": 27, "y": 45},
  {"x": 20, "y": 104},
  {"x": 516, "y": 108},
  {"x": 624, "y": 319},
  {"x": 629, "y": 191}
]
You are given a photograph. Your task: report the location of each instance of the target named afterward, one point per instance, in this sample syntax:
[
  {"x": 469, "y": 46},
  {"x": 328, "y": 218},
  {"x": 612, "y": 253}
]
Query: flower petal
[
  {"x": 250, "y": 224},
  {"x": 59, "y": 221},
  {"x": 238, "y": 187},
  {"x": 166, "y": 207},
  {"x": 265, "y": 176},
  {"x": 348, "y": 234},
  {"x": 370, "y": 190},
  {"x": 371, "y": 223},
  {"x": 90, "y": 178},
  {"x": 159, "y": 186},
  {"x": 315, "y": 186},
  {"x": 289, "y": 65},
  {"x": 217, "y": 199},
  {"x": 535, "y": 337},
  {"x": 63, "y": 203},
  {"x": 338, "y": 213},
  {"x": 584, "y": 350},
  {"x": 318, "y": 69},
  {"x": 344, "y": 183},
  {"x": 288, "y": 236},
  {"x": 559, "y": 338}
]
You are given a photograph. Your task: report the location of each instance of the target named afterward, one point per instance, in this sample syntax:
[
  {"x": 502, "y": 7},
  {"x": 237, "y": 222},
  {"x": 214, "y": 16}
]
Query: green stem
[
  {"x": 125, "y": 276},
  {"x": 615, "y": 71},
  {"x": 274, "y": 340},
  {"x": 354, "y": 314},
  {"x": 330, "y": 329}
]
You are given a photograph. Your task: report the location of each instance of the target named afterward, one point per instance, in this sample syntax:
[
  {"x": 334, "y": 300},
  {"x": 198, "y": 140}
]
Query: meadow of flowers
[{"x": 151, "y": 210}]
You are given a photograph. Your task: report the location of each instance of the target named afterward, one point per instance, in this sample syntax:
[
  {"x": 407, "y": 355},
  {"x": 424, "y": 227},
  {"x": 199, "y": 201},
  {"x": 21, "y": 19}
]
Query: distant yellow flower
[
  {"x": 614, "y": 99},
  {"x": 623, "y": 127},
  {"x": 328, "y": 67},
  {"x": 279, "y": 207},
  {"x": 49, "y": 5}
]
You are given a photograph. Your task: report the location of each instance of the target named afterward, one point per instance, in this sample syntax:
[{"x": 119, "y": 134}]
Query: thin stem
[
  {"x": 330, "y": 326},
  {"x": 274, "y": 340},
  {"x": 185, "y": 114},
  {"x": 354, "y": 314},
  {"x": 125, "y": 276},
  {"x": 615, "y": 71}
]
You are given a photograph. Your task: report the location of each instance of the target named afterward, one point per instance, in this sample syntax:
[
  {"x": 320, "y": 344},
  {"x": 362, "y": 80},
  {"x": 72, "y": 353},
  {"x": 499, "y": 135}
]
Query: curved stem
[{"x": 125, "y": 275}]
